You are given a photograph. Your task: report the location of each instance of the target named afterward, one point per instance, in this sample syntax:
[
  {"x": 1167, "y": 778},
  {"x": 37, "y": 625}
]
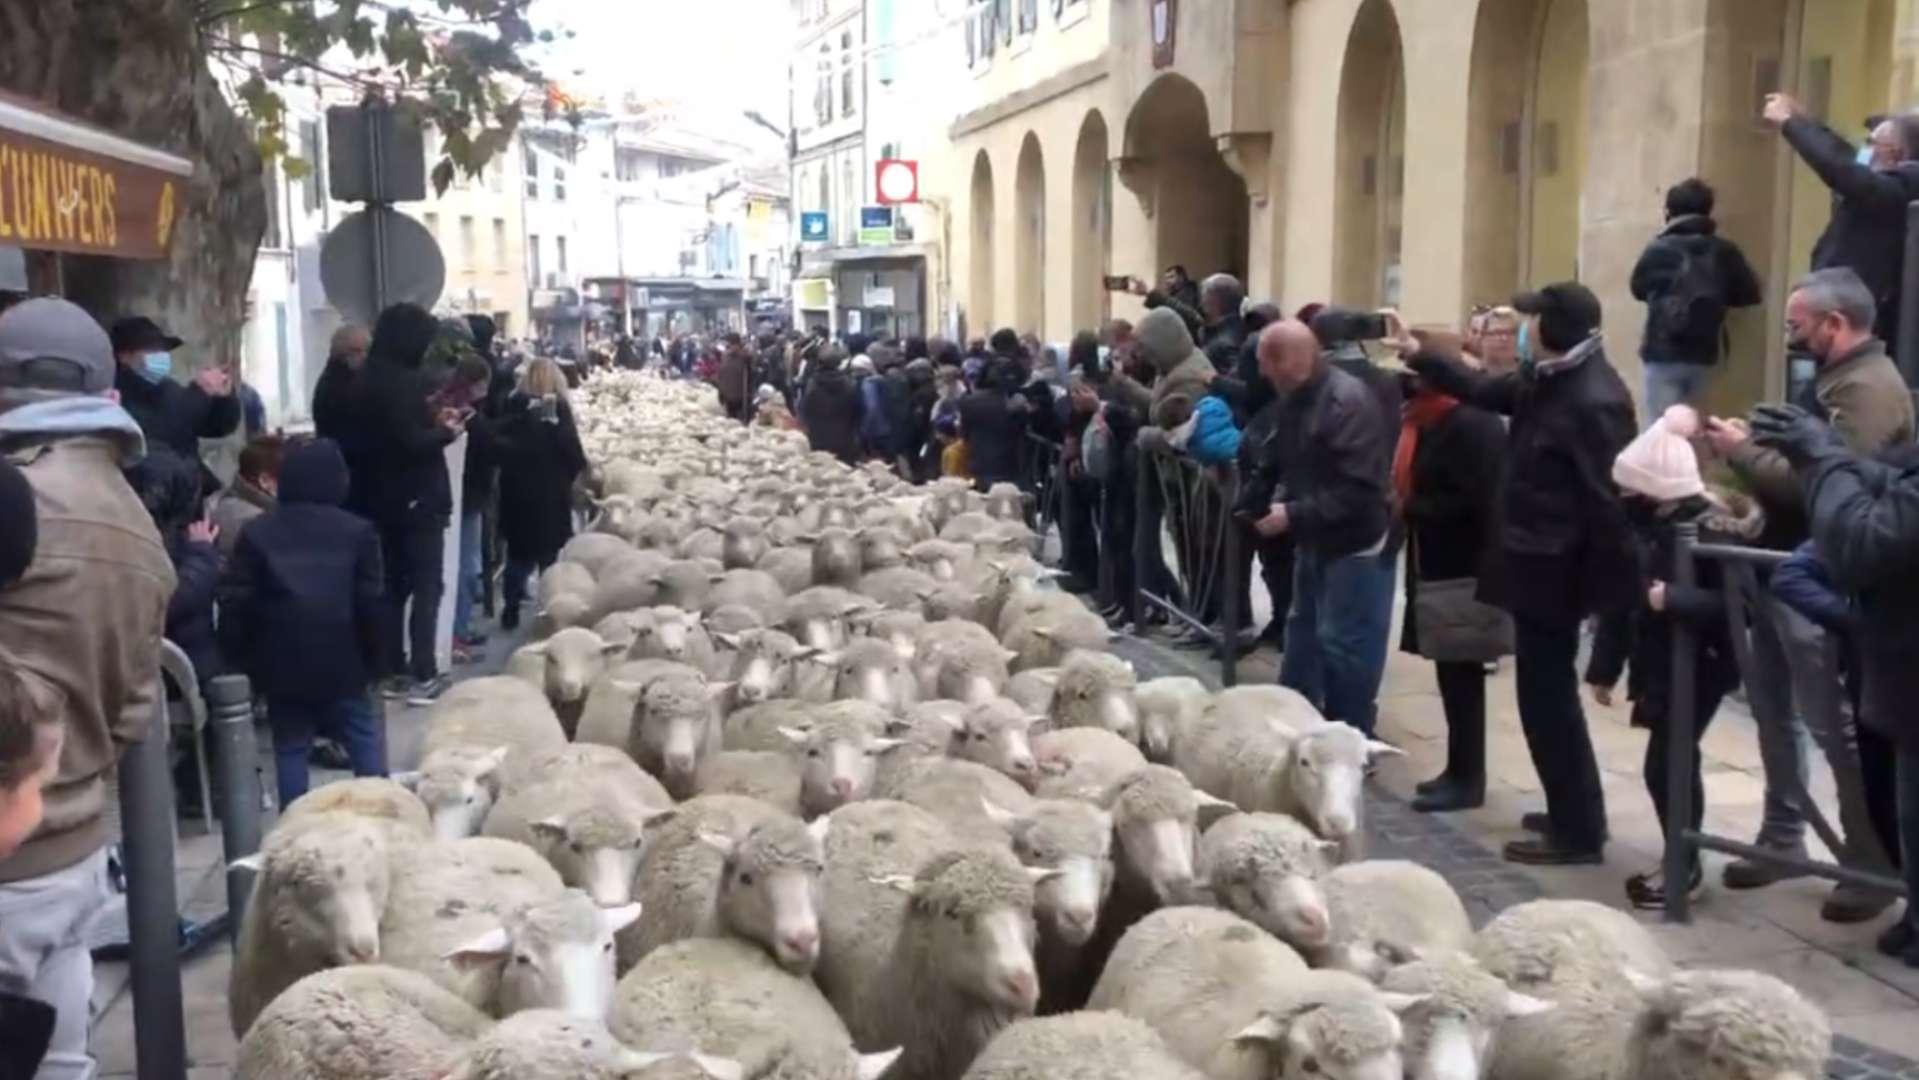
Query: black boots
[{"x": 1443, "y": 793}]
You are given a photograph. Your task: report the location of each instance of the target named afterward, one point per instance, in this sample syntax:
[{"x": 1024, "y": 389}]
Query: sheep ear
[
  {"x": 1330, "y": 849},
  {"x": 1646, "y": 986},
  {"x": 494, "y": 945},
  {"x": 1266, "y": 1029},
  {"x": 1039, "y": 874},
  {"x": 409, "y": 779},
  {"x": 829, "y": 657},
  {"x": 731, "y": 641},
  {"x": 1009, "y": 655},
  {"x": 655, "y": 817},
  {"x": 1518, "y": 1004},
  {"x": 491, "y": 763},
  {"x": 796, "y": 736},
  {"x": 898, "y": 882},
  {"x": 718, "y": 691},
  {"x": 1401, "y": 1003},
  {"x": 715, "y": 579},
  {"x": 1376, "y": 749},
  {"x": 719, "y": 842},
  {"x": 550, "y": 830},
  {"x": 537, "y": 648},
  {"x": 873, "y": 1066},
  {"x": 254, "y": 862},
  {"x": 718, "y": 1068},
  {"x": 615, "y": 919},
  {"x": 612, "y": 648},
  {"x": 818, "y": 828},
  {"x": 883, "y": 745},
  {"x": 998, "y": 814}
]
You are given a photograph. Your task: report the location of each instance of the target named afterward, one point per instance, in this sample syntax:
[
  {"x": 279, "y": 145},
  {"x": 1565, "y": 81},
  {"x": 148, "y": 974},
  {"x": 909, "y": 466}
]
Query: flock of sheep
[{"x": 811, "y": 776}]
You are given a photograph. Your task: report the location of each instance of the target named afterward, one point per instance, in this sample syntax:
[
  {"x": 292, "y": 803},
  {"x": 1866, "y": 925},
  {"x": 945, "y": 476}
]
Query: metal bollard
[
  {"x": 1229, "y": 603},
  {"x": 153, "y": 912},
  {"x": 1681, "y": 749},
  {"x": 230, "y": 705},
  {"x": 1143, "y": 514}
]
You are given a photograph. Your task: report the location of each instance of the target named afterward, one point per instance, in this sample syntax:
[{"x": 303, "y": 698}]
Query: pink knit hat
[{"x": 1660, "y": 464}]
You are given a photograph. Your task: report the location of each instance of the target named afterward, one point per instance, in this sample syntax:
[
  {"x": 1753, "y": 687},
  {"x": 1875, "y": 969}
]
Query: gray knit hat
[{"x": 53, "y": 346}]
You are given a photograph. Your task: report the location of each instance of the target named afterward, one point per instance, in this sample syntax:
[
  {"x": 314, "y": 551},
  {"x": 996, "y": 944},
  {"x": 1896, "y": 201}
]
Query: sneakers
[
  {"x": 428, "y": 691},
  {"x": 1446, "y": 794},
  {"x": 1752, "y": 874},
  {"x": 396, "y": 687},
  {"x": 1647, "y": 891},
  {"x": 1849, "y": 903}
]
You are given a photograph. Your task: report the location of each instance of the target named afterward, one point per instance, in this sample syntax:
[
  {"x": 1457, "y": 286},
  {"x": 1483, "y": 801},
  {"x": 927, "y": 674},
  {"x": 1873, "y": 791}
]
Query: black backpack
[{"x": 1692, "y": 310}]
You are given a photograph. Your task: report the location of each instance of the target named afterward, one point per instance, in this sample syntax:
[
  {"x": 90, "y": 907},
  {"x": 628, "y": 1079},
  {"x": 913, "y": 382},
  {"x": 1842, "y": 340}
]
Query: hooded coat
[
  {"x": 300, "y": 600},
  {"x": 1185, "y": 375},
  {"x": 539, "y": 460},
  {"x": 398, "y": 451},
  {"x": 831, "y": 411},
  {"x": 1688, "y": 238}
]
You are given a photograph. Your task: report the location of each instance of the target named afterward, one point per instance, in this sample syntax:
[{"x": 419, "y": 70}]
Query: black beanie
[{"x": 19, "y": 524}]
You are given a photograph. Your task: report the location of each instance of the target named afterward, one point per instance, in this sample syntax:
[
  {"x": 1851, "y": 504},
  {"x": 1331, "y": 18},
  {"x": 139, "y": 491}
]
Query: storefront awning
[{"x": 68, "y": 186}]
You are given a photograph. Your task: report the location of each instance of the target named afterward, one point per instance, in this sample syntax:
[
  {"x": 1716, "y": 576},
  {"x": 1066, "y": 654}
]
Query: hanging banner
[{"x": 57, "y": 198}]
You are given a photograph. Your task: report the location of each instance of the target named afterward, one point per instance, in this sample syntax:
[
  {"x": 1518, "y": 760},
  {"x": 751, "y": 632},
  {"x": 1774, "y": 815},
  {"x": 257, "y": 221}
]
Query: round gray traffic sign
[{"x": 415, "y": 269}]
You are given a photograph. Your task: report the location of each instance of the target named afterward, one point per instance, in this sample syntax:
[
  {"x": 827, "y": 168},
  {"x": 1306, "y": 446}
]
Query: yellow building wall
[{"x": 1559, "y": 143}]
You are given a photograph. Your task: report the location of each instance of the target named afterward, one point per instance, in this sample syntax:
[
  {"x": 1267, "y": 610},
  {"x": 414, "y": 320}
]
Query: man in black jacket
[
  {"x": 1564, "y": 549},
  {"x": 1330, "y": 456},
  {"x": 830, "y": 407},
  {"x": 1220, "y": 298},
  {"x": 1689, "y": 278},
  {"x": 402, "y": 473},
  {"x": 333, "y": 393},
  {"x": 990, "y": 425},
  {"x": 171, "y": 415},
  {"x": 1868, "y": 228}
]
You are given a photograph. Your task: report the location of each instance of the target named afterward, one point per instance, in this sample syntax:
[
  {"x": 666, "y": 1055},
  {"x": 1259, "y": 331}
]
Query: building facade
[
  {"x": 871, "y": 81},
  {"x": 1430, "y": 154}
]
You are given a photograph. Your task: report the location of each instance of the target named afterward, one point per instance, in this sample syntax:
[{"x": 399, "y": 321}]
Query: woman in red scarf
[{"x": 1445, "y": 478}]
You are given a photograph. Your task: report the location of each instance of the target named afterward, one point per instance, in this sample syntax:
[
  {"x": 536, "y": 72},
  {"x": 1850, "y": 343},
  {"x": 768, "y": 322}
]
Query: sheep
[
  {"x": 792, "y": 567},
  {"x": 882, "y": 546},
  {"x": 1526, "y": 944},
  {"x": 836, "y": 558},
  {"x": 943, "y": 559},
  {"x": 745, "y": 543},
  {"x": 760, "y": 727},
  {"x": 1316, "y": 776},
  {"x": 1082, "y": 762},
  {"x": 1015, "y": 610},
  {"x": 730, "y": 865},
  {"x": 627, "y": 582},
  {"x": 1385, "y": 912},
  {"x": 373, "y": 798},
  {"x": 593, "y": 550},
  {"x": 320, "y": 886},
  {"x": 1044, "y": 639},
  {"x": 479, "y": 736},
  {"x": 1167, "y": 706},
  {"x": 555, "y": 954},
  {"x": 817, "y": 615},
  {"x": 586, "y": 811},
  {"x": 1079, "y": 1046},
  {"x": 763, "y": 664},
  {"x": 1075, "y": 839},
  {"x": 898, "y": 628},
  {"x": 733, "y": 619},
  {"x": 1090, "y": 690},
  {"x": 684, "y": 583},
  {"x": 960, "y": 664},
  {"x": 669, "y": 633},
  {"x": 1267, "y": 869},
  {"x": 613, "y": 704},
  {"x": 617, "y": 628},
  {"x": 721, "y": 992},
  {"x": 755, "y": 590},
  {"x": 770, "y": 776},
  {"x": 830, "y": 762},
  {"x": 1449, "y": 1036},
  {"x": 1240, "y": 1005},
  {"x": 543, "y": 1044},
  {"x": 1005, "y": 502},
  {"x": 901, "y": 588},
  {"x": 366, "y": 1022},
  {"x": 563, "y": 667},
  {"x": 1695, "y": 1025},
  {"x": 563, "y": 579},
  {"x": 1278, "y": 706},
  {"x": 955, "y": 792},
  {"x": 869, "y": 670},
  {"x": 925, "y": 946},
  {"x": 992, "y": 733},
  {"x": 967, "y": 527},
  {"x": 953, "y": 600},
  {"x": 702, "y": 543},
  {"x": 677, "y": 728}
]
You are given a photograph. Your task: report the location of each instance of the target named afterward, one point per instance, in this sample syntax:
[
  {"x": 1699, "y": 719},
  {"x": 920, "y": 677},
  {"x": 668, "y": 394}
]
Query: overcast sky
[{"x": 726, "y": 53}]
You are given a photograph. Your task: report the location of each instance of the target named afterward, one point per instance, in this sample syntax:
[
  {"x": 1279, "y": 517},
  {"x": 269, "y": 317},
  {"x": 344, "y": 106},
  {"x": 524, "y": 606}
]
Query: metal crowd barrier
[
  {"x": 1743, "y": 597},
  {"x": 1194, "y": 504},
  {"x": 1040, "y": 476}
]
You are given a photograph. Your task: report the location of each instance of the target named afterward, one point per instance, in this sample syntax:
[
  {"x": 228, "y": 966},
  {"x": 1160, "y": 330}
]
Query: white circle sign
[{"x": 897, "y": 182}]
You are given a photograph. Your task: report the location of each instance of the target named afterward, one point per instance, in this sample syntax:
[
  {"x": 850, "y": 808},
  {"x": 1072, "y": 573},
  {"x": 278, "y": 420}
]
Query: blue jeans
[
  {"x": 1336, "y": 634},
  {"x": 1672, "y": 384},
  {"x": 471, "y": 530},
  {"x": 354, "y": 721}
]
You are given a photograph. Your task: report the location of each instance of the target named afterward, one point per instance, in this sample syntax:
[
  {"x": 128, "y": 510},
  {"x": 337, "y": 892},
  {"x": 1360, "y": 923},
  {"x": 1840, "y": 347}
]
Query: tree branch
[{"x": 230, "y": 47}]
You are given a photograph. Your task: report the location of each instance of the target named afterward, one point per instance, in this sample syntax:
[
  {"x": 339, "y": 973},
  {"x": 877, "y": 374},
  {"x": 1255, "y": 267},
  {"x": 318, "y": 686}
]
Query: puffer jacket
[{"x": 85, "y": 620}]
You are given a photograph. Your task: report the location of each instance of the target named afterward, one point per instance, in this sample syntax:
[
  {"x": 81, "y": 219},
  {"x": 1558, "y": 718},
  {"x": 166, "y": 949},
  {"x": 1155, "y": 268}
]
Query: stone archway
[
  {"x": 1029, "y": 238},
  {"x": 1197, "y": 203},
  {"x": 1092, "y": 225},
  {"x": 1371, "y": 170},
  {"x": 980, "y": 278},
  {"x": 1527, "y": 123}
]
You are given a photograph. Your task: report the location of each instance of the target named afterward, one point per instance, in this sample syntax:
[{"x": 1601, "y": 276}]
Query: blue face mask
[
  {"x": 157, "y": 365},
  {"x": 1523, "y": 349}
]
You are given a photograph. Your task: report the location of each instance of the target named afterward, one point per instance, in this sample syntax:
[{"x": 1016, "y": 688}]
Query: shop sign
[
  {"x": 56, "y": 198},
  {"x": 876, "y": 225}
]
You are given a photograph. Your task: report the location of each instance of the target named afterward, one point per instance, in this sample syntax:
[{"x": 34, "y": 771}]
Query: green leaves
[{"x": 456, "y": 65}]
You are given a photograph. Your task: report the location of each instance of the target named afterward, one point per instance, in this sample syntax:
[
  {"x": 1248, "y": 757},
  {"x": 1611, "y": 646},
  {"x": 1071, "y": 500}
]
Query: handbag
[{"x": 1452, "y": 625}]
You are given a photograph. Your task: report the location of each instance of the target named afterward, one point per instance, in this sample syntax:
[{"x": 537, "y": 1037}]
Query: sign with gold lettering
[{"x": 58, "y": 198}]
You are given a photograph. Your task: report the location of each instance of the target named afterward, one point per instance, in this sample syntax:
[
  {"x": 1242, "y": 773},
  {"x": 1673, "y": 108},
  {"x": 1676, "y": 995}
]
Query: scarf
[{"x": 1421, "y": 413}]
